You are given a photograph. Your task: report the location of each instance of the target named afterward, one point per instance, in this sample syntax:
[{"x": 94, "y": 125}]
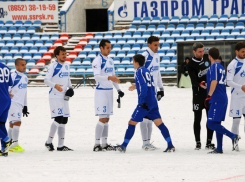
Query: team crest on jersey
[
  {"x": 66, "y": 66},
  {"x": 110, "y": 62},
  {"x": 26, "y": 79},
  {"x": 242, "y": 74},
  {"x": 22, "y": 85},
  {"x": 206, "y": 64},
  {"x": 157, "y": 60},
  {"x": 18, "y": 115}
]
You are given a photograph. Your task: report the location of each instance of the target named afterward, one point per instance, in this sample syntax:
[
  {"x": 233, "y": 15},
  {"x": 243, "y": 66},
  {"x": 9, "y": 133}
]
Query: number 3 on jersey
[{"x": 149, "y": 80}]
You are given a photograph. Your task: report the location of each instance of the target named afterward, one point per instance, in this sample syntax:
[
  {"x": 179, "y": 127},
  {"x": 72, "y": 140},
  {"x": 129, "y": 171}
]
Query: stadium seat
[
  {"x": 7, "y": 37},
  {"x": 194, "y": 19},
  {"x": 184, "y": 20},
  {"x": 225, "y": 32},
  {"x": 200, "y": 38},
  {"x": 64, "y": 37},
  {"x": 16, "y": 37},
  {"x": 92, "y": 54},
  {"x": 39, "y": 43},
  {"x": 215, "y": 32},
  {"x": 37, "y": 56},
  {"x": 162, "y": 40},
  {"x": 174, "y": 46},
  {"x": 185, "y": 33},
  {"x": 12, "y": 30},
  {"x": 170, "y": 40},
  {"x": 233, "y": 18},
  {"x": 223, "y": 19},
  {"x": 136, "y": 21},
  {"x": 34, "y": 71},
  {"x": 108, "y": 35},
  {"x": 136, "y": 47},
  {"x": 166, "y": 34},
  {"x": 31, "y": 30},
  {"x": 89, "y": 35},
  {"x": 190, "y": 27},
  {"x": 57, "y": 43},
  {"x": 27, "y": 56},
  {"x": 87, "y": 48},
  {"x": 204, "y": 19},
  {"x": 23, "y": 50},
  {"x": 29, "y": 43},
  {"x": 84, "y": 41},
  {"x": 210, "y": 38},
  {"x": 86, "y": 61},
  {"x": 213, "y": 19},
  {"x": 132, "y": 28},
  {"x": 92, "y": 42},
  {"x": 9, "y": 23},
  {"x": 175, "y": 20},
  {"x": 144, "y": 47},
  {"x": 240, "y": 26},
  {"x": 10, "y": 43},
  {"x": 80, "y": 71},
  {"x": 37, "y": 23},
  {"x": 165, "y": 20},
  {"x": 8, "y": 56},
  {"x": 200, "y": 26},
  {"x": 3, "y": 30},
  {"x": 54, "y": 37},
  {"x": 161, "y": 28},
  {"x": 142, "y": 28},
  {"x": 146, "y": 35},
  {"x": 195, "y": 33},
  {"x": 127, "y": 35},
  {"x": 209, "y": 26},
  {"x": 121, "y": 54},
  {"x": 117, "y": 35},
  {"x": 155, "y": 21},
  {"x": 48, "y": 56},
  {"x": 116, "y": 47},
  {"x": 45, "y": 37},
  {"x": 76, "y": 62},
  {"x": 137, "y": 35},
  {"x": 180, "y": 39},
  {"x": 219, "y": 26},
  {"x": 35, "y": 37},
  {"x": 82, "y": 55},
  {"x": 170, "y": 69},
  {"x": 20, "y": 43},
  {"x": 165, "y": 60},
  {"x": 151, "y": 28},
  {"x": 43, "y": 49},
  {"x": 126, "y": 47},
  {"x": 241, "y": 19},
  {"x": 21, "y": 30},
  {"x": 165, "y": 47},
  {"x": 235, "y": 32},
  {"x": 121, "y": 41},
  {"x": 33, "y": 50},
  {"x": 176, "y": 33},
  {"x": 230, "y": 37},
  {"x": 4, "y": 50},
  {"x": 131, "y": 41},
  {"x": 229, "y": 26},
  {"x": 26, "y": 37},
  {"x": 170, "y": 27},
  {"x": 28, "y": 24},
  {"x": 98, "y": 36},
  {"x": 113, "y": 54},
  {"x": 220, "y": 37},
  {"x": 240, "y": 37},
  {"x": 156, "y": 33},
  {"x": 205, "y": 33},
  {"x": 51, "y": 49},
  {"x": 131, "y": 53},
  {"x": 1, "y": 23},
  {"x": 180, "y": 27},
  {"x": 125, "y": 61},
  {"x": 112, "y": 40},
  {"x": 146, "y": 21},
  {"x": 161, "y": 53},
  {"x": 78, "y": 48},
  {"x": 189, "y": 38}
]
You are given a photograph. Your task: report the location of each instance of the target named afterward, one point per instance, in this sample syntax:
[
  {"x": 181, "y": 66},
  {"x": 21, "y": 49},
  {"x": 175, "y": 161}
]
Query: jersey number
[
  {"x": 4, "y": 75},
  {"x": 149, "y": 82},
  {"x": 222, "y": 80}
]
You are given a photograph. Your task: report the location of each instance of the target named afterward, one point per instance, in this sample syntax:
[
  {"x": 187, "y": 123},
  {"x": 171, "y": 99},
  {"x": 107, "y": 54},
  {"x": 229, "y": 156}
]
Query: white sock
[
  {"x": 144, "y": 131},
  {"x": 15, "y": 135},
  {"x": 235, "y": 126},
  {"x": 52, "y": 131},
  {"x": 105, "y": 134},
  {"x": 98, "y": 132},
  {"x": 149, "y": 125},
  {"x": 10, "y": 133},
  {"x": 61, "y": 134}
]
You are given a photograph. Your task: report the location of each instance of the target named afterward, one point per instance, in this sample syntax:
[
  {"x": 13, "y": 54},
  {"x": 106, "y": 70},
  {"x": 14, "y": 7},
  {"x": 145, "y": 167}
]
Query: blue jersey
[
  {"x": 145, "y": 87},
  {"x": 217, "y": 72},
  {"x": 5, "y": 82}
]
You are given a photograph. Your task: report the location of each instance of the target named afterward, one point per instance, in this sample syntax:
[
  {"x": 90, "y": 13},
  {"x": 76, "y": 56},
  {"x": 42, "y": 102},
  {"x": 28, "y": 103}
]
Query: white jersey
[
  {"x": 236, "y": 75},
  {"x": 58, "y": 74},
  {"x": 152, "y": 63},
  {"x": 19, "y": 88},
  {"x": 103, "y": 66}
]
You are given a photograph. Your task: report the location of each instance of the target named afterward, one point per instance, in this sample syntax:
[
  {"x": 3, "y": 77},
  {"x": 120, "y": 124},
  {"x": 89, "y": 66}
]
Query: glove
[
  {"x": 25, "y": 112},
  {"x": 120, "y": 93},
  {"x": 203, "y": 83},
  {"x": 160, "y": 94},
  {"x": 69, "y": 92},
  {"x": 206, "y": 102},
  {"x": 144, "y": 106}
]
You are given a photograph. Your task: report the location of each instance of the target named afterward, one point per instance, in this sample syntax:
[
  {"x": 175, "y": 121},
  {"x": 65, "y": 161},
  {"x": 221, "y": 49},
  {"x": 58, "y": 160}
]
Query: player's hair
[
  {"x": 152, "y": 39},
  {"x": 103, "y": 42},
  {"x": 239, "y": 46},
  {"x": 197, "y": 45},
  {"x": 58, "y": 49},
  {"x": 18, "y": 60},
  {"x": 139, "y": 59},
  {"x": 214, "y": 53}
]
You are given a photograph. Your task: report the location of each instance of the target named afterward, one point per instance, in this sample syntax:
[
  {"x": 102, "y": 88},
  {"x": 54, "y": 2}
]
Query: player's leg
[
  {"x": 197, "y": 127},
  {"x": 236, "y": 106},
  {"x": 210, "y": 133},
  {"x": 219, "y": 149},
  {"x": 15, "y": 147},
  {"x": 129, "y": 133},
  {"x": 10, "y": 130},
  {"x": 144, "y": 131}
]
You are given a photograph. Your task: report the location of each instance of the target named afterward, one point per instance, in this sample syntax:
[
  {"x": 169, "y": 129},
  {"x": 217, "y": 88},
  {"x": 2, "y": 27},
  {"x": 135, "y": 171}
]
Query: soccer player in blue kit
[
  {"x": 5, "y": 83},
  {"x": 217, "y": 101},
  {"x": 147, "y": 105}
]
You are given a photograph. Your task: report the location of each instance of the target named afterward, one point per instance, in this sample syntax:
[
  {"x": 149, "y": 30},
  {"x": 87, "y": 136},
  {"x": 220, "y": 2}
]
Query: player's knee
[
  {"x": 210, "y": 125},
  {"x": 59, "y": 119},
  {"x": 65, "y": 120},
  {"x": 132, "y": 123}
]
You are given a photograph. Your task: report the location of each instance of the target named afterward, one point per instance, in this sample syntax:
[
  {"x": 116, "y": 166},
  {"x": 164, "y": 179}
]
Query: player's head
[
  {"x": 138, "y": 61},
  {"x": 213, "y": 54},
  {"x": 198, "y": 50},
  {"x": 60, "y": 54},
  {"x": 240, "y": 50},
  {"x": 20, "y": 65},
  {"x": 105, "y": 47},
  {"x": 187, "y": 60},
  {"x": 153, "y": 43}
]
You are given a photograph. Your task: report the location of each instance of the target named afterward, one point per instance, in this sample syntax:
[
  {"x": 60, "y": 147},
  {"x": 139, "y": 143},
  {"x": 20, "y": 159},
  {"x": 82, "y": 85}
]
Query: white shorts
[
  {"x": 59, "y": 107},
  {"x": 237, "y": 107},
  {"x": 15, "y": 112},
  {"x": 103, "y": 102}
]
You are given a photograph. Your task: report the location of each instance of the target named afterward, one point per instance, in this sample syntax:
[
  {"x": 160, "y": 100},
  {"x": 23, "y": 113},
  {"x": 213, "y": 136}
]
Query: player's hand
[
  {"x": 132, "y": 87},
  {"x": 203, "y": 85},
  {"x": 58, "y": 87},
  {"x": 120, "y": 93},
  {"x": 114, "y": 79},
  {"x": 206, "y": 102},
  {"x": 69, "y": 92},
  {"x": 160, "y": 94},
  {"x": 25, "y": 112},
  {"x": 10, "y": 94},
  {"x": 144, "y": 106},
  {"x": 243, "y": 88}
]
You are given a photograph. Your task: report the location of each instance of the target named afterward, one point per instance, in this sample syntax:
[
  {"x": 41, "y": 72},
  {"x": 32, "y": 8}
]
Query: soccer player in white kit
[
  {"x": 236, "y": 80},
  {"x": 58, "y": 79},
  {"x": 18, "y": 104},
  {"x": 104, "y": 74},
  {"x": 152, "y": 63}
]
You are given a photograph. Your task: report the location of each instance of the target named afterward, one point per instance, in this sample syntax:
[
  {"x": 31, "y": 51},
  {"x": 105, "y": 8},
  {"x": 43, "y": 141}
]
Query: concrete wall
[{"x": 76, "y": 16}]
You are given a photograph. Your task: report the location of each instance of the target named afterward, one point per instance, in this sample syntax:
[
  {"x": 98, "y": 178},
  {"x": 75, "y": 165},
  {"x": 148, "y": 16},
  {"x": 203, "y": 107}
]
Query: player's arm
[
  {"x": 143, "y": 86},
  {"x": 116, "y": 85},
  {"x": 10, "y": 85},
  {"x": 230, "y": 76},
  {"x": 48, "y": 79},
  {"x": 160, "y": 93},
  {"x": 193, "y": 76}
]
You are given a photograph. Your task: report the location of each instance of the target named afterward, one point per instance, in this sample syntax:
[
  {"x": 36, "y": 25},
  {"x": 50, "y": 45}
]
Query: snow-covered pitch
[{"x": 186, "y": 164}]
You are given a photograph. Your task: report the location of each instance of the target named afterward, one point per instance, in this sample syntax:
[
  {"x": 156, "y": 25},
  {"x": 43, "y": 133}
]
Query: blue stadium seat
[
  {"x": 241, "y": 19},
  {"x": 175, "y": 20},
  {"x": 30, "y": 63},
  {"x": 174, "y": 46},
  {"x": 230, "y": 37},
  {"x": 229, "y": 26},
  {"x": 161, "y": 28},
  {"x": 4, "y": 50},
  {"x": 165, "y": 61},
  {"x": 190, "y": 38},
  {"x": 87, "y": 48},
  {"x": 185, "y": 33},
  {"x": 209, "y": 26},
  {"x": 8, "y": 56},
  {"x": 223, "y": 19},
  {"x": 112, "y": 40},
  {"x": 190, "y": 27},
  {"x": 176, "y": 33},
  {"x": 144, "y": 47},
  {"x": 132, "y": 28},
  {"x": 35, "y": 37},
  {"x": 33, "y": 50},
  {"x": 219, "y": 26},
  {"x": 1, "y": 23},
  {"x": 235, "y": 32},
  {"x": 165, "y": 46},
  {"x": 155, "y": 21},
  {"x": 96, "y": 48},
  {"x": 1, "y": 56},
  {"x": 121, "y": 41},
  {"x": 45, "y": 37},
  {"x": 9, "y": 23},
  {"x": 205, "y": 33},
  {"x": 18, "y": 23},
  {"x": 200, "y": 38},
  {"x": 146, "y": 21},
  {"x": 43, "y": 49},
  {"x": 48, "y": 43},
  {"x": 161, "y": 53},
  {"x": 210, "y": 38},
  {"x": 54, "y": 37},
  {"x": 142, "y": 28},
  {"x": 92, "y": 54},
  {"x": 200, "y": 26},
  {"x": 215, "y": 32},
  {"x": 131, "y": 41},
  {"x": 127, "y": 35},
  {"x": 151, "y": 28},
  {"x": 27, "y": 24},
  {"x": 170, "y": 70},
  {"x": 204, "y": 19},
  {"x": 137, "y": 35},
  {"x": 162, "y": 40},
  {"x": 225, "y": 32},
  {"x": 184, "y": 20},
  {"x": 121, "y": 54},
  {"x": 240, "y": 37},
  {"x": 170, "y": 27},
  {"x": 213, "y": 19},
  {"x": 126, "y": 61},
  {"x": 116, "y": 47},
  {"x": 76, "y": 62},
  {"x": 141, "y": 41},
  {"x": 126, "y": 47},
  {"x": 31, "y": 30},
  {"x": 16, "y": 37},
  {"x": 233, "y": 18},
  {"x": 146, "y": 35},
  {"x": 12, "y": 30},
  {"x": 156, "y": 33},
  {"x": 27, "y": 56},
  {"x": 131, "y": 53},
  {"x": 37, "y": 56},
  {"x": 180, "y": 27},
  {"x": 195, "y": 33},
  {"x": 220, "y": 37},
  {"x": 23, "y": 50},
  {"x": 129, "y": 71},
  {"x": 14, "y": 50},
  {"x": 165, "y": 20},
  {"x": 3, "y": 61},
  {"x": 37, "y": 23},
  {"x": 93, "y": 42},
  {"x": 10, "y": 43},
  {"x": 80, "y": 71},
  {"x": 194, "y": 19},
  {"x": 136, "y": 47},
  {"x": 86, "y": 61},
  {"x": 243, "y": 32},
  {"x": 82, "y": 55},
  {"x": 108, "y": 35},
  {"x": 166, "y": 34},
  {"x": 20, "y": 43},
  {"x": 21, "y": 30},
  {"x": 240, "y": 26},
  {"x": 113, "y": 54},
  {"x": 3, "y": 30},
  {"x": 29, "y": 43},
  {"x": 39, "y": 43},
  {"x": 7, "y": 37},
  {"x": 117, "y": 35},
  {"x": 180, "y": 39},
  {"x": 136, "y": 21}
]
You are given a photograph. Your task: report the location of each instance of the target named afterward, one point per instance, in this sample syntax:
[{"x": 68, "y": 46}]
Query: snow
[{"x": 39, "y": 165}]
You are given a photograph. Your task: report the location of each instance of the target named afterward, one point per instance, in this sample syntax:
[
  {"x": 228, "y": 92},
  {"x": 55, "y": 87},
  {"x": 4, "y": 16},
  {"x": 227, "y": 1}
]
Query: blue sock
[
  {"x": 3, "y": 132},
  {"x": 216, "y": 126},
  {"x": 128, "y": 135},
  {"x": 219, "y": 138},
  {"x": 165, "y": 134}
]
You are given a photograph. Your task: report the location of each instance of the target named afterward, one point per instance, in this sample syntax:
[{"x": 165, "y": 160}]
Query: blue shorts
[
  {"x": 140, "y": 113},
  {"x": 4, "y": 111},
  {"x": 217, "y": 111}
]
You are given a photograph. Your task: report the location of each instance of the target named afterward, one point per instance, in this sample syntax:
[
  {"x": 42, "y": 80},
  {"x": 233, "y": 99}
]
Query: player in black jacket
[{"x": 197, "y": 69}]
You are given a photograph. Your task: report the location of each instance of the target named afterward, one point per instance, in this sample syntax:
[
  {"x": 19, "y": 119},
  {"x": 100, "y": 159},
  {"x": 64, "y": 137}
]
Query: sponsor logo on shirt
[
  {"x": 157, "y": 60},
  {"x": 154, "y": 68},
  {"x": 108, "y": 70},
  {"x": 26, "y": 79},
  {"x": 242, "y": 74},
  {"x": 202, "y": 73},
  {"x": 22, "y": 86},
  {"x": 63, "y": 74},
  {"x": 110, "y": 62},
  {"x": 66, "y": 66}
]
